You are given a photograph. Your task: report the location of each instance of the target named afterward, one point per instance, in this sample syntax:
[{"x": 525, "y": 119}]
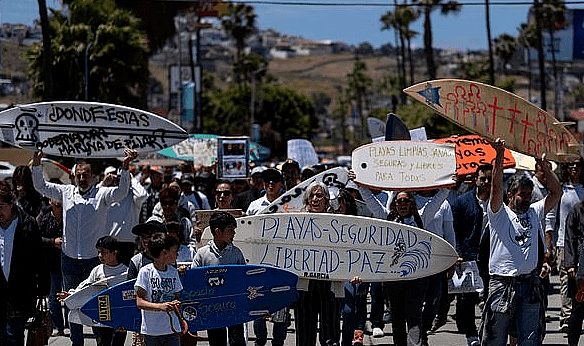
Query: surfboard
[
  {"x": 213, "y": 297},
  {"x": 291, "y": 201},
  {"x": 404, "y": 165},
  {"x": 338, "y": 247},
  {"x": 395, "y": 129},
  {"x": 75, "y": 301},
  {"x": 495, "y": 113},
  {"x": 473, "y": 151},
  {"x": 79, "y": 298},
  {"x": 86, "y": 129}
]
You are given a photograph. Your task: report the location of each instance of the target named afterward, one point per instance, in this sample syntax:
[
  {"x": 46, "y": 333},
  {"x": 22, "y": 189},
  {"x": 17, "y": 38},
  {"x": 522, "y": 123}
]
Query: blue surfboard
[{"x": 212, "y": 297}]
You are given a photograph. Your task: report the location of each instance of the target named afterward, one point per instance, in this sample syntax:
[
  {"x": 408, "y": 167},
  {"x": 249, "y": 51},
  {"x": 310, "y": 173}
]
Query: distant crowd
[{"x": 146, "y": 223}]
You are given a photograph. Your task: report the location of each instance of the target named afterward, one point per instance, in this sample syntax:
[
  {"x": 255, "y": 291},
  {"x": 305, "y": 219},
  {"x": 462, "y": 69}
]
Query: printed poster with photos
[{"x": 233, "y": 158}]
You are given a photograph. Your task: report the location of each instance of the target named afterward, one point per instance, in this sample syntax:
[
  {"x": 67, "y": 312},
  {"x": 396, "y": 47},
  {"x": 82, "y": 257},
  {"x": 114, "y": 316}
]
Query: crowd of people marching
[{"x": 57, "y": 237}]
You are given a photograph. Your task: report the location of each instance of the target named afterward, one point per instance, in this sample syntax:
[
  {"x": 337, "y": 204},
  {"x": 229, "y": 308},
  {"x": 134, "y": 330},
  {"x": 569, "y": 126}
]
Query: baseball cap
[
  {"x": 272, "y": 174},
  {"x": 290, "y": 163},
  {"x": 110, "y": 169},
  {"x": 258, "y": 170}
]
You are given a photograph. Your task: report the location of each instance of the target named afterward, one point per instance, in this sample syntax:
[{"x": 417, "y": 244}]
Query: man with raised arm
[
  {"x": 517, "y": 248},
  {"x": 84, "y": 219}
]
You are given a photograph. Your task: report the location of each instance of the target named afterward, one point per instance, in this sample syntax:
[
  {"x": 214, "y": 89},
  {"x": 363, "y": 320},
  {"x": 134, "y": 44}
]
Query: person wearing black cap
[
  {"x": 274, "y": 186},
  {"x": 291, "y": 173},
  {"x": 144, "y": 232}
]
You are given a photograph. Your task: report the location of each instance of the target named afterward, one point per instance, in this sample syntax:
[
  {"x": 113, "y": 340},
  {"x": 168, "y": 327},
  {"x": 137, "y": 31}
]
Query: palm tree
[
  {"x": 528, "y": 39},
  {"x": 47, "y": 56},
  {"x": 240, "y": 24},
  {"x": 505, "y": 48},
  {"x": 400, "y": 20},
  {"x": 428, "y": 6},
  {"x": 389, "y": 22},
  {"x": 553, "y": 15}
]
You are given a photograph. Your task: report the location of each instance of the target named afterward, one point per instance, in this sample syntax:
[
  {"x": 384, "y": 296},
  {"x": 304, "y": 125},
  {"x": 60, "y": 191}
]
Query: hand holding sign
[
  {"x": 130, "y": 155},
  {"x": 36, "y": 157}
]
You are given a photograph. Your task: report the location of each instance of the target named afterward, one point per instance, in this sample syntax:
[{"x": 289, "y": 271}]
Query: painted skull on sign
[{"x": 27, "y": 126}]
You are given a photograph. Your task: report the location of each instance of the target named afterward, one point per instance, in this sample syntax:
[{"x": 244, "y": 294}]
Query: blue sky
[{"x": 352, "y": 24}]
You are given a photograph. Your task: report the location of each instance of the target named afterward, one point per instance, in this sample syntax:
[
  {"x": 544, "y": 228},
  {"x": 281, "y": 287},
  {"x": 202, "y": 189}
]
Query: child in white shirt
[{"x": 157, "y": 290}]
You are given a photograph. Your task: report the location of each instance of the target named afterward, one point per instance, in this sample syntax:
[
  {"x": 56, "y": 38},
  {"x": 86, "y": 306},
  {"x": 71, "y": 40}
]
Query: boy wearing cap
[{"x": 144, "y": 231}]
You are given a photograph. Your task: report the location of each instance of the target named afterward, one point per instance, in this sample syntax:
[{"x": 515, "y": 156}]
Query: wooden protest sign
[
  {"x": 404, "y": 165},
  {"x": 473, "y": 151},
  {"x": 86, "y": 129},
  {"x": 338, "y": 247},
  {"x": 495, "y": 113}
]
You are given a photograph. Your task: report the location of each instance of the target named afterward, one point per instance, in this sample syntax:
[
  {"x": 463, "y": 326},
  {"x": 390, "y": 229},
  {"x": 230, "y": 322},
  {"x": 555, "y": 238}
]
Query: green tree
[
  {"x": 156, "y": 17},
  {"x": 107, "y": 41},
  {"x": 359, "y": 84},
  {"x": 285, "y": 115},
  {"x": 240, "y": 24},
  {"x": 505, "y": 48},
  {"x": 428, "y": 6}
]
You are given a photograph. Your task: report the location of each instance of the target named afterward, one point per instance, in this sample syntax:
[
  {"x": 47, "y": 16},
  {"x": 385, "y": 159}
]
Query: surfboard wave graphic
[{"x": 416, "y": 258}]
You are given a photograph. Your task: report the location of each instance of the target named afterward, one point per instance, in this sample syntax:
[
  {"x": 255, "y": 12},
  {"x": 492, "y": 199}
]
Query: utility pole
[{"x": 540, "y": 54}]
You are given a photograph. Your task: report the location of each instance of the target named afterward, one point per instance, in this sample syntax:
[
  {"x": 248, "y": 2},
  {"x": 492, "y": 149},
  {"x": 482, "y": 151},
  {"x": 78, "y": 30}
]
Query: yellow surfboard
[{"x": 495, "y": 113}]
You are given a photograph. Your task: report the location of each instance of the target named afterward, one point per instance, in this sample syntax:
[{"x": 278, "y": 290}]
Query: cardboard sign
[
  {"x": 302, "y": 151},
  {"x": 86, "y": 129},
  {"x": 473, "y": 151},
  {"x": 466, "y": 279},
  {"x": 233, "y": 157},
  {"x": 404, "y": 165},
  {"x": 495, "y": 113}
]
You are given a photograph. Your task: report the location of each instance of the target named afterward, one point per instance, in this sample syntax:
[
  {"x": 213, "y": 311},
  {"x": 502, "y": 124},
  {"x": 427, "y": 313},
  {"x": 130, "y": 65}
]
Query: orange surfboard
[
  {"x": 495, "y": 113},
  {"x": 472, "y": 151}
]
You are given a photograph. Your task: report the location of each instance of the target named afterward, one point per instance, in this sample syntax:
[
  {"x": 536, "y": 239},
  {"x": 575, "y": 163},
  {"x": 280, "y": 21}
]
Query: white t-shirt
[
  {"x": 160, "y": 286},
  {"x": 514, "y": 240},
  {"x": 101, "y": 272},
  {"x": 257, "y": 205}
]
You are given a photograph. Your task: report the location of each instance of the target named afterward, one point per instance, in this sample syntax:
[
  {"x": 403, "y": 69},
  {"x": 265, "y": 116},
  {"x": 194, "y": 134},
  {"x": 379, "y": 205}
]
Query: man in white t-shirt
[{"x": 516, "y": 252}]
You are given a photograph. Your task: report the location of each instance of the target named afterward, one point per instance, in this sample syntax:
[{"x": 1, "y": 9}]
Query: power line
[{"x": 372, "y": 4}]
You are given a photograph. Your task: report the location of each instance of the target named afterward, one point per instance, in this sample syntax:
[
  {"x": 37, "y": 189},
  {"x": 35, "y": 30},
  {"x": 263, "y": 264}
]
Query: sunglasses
[
  {"x": 223, "y": 192},
  {"x": 167, "y": 203},
  {"x": 403, "y": 201}
]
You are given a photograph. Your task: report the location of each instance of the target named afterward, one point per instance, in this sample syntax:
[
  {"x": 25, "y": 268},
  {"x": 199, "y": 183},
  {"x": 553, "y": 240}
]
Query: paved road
[{"x": 447, "y": 335}]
